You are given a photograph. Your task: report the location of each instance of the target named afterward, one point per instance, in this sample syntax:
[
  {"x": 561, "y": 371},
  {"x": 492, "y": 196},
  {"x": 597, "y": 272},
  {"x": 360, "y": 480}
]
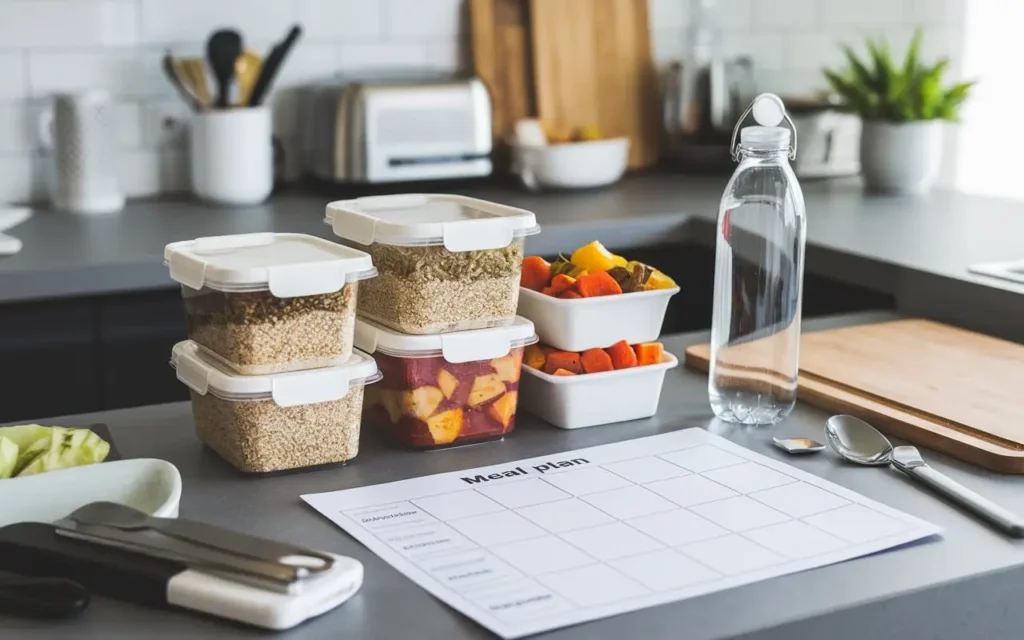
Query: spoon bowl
[{"x": 858, "y": 441}]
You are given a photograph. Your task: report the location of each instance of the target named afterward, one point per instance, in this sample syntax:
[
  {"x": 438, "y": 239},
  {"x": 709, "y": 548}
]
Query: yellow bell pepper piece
[
  {"x": 659, "y": 280},
  {"x": 594, "y": 257}
]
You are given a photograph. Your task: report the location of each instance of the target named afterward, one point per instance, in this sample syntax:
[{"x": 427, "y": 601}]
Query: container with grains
[
  {"x": 276, "y": 422},
  {"x": 265, "y": 303},
  {"x": 445, "y": 389},
  {"x": 445, "y": 263}
]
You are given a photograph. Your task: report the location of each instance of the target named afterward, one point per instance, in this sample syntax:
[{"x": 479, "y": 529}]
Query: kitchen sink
[{"x": 1013, "y": 271}]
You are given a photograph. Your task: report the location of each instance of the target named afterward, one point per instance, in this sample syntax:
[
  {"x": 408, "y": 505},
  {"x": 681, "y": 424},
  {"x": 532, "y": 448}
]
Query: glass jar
[{"x": 759, "y": 266}]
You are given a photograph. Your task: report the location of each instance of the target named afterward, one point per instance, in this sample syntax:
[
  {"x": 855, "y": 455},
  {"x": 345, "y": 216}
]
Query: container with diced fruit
[
  {"x": 444, "y": 389},
  {"x": 593, "y": 299},
  {"x": 571, "y": 389}
]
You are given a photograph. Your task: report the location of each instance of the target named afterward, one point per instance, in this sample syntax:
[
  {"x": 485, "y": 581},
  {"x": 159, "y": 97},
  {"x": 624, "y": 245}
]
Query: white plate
[{"x": 149, "y": 485}]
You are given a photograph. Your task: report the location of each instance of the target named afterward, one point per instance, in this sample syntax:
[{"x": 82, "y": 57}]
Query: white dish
[
  {"x": 596, "y": 323},
  {"x": 572, "y": 165},
  {"x": 149, "y": 485},
  {"x": 573, "y": 402}
]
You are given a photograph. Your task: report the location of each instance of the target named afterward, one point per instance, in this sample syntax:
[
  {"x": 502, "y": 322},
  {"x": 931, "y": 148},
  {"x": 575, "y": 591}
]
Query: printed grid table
[{"x": 542, "y": 543}]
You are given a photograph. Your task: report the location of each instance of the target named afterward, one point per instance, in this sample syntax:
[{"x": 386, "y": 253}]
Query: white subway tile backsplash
[
  {"x": 340, "y": 18},
  {"x": 423, "y": 17},
  {"x": 764, "y": 49},
  {"x": 123, "y": 72},
  {"x": 68, "y": 23},
  {"x": 863, "y": 12},
  {"x": 17, "y": 178},
  {"x": 734, "y": 14},
  {"x": 13, "y": 76},
  {"x": 936, "y": 12},
  {"x": 803, "y": 51},
  {"x": 163, "y": 123},
  {"x": 309, "y": 62},
  {"x": 789, "y": 82},
  {"x": 448, "y": 55},
  {"x": 165, "y": 21},
  {"x": 668, "y": 14},
  {"x": 145, "y": 173},
  {"x": 18, "y": 127},
  {"x": 668, "y": 45},
  {"x": 383, "y": 55},
  {"x": 791, "y": 14}
]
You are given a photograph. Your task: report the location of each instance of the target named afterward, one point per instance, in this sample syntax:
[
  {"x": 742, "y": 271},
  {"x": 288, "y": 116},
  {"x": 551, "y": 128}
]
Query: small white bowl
[
  {"x": 149, "y": 485},
  {"x": 590, "y": 399},
  {"x": 572, "y": 165},
  {"x": 596, "y": 323}
]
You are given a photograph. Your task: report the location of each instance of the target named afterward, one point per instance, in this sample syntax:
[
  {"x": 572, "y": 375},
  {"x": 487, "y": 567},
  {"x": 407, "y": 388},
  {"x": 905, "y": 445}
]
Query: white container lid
[
  {"x": 417, "y": 219},
  {"x": 286, "y": 264},
  {"x": 456, "y": 347},
  {"x": 285, "y": 389}
]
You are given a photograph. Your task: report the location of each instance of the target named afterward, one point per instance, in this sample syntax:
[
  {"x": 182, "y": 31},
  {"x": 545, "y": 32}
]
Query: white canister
[
  {"x": 81, "y": 129},
  {"x": 232, "y": 155}
]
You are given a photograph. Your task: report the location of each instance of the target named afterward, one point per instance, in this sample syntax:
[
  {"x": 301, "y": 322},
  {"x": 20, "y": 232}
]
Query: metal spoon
[{"x": 859, "y": 442}]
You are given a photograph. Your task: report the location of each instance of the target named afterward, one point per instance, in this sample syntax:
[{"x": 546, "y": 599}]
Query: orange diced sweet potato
[
  {"x": 596, "y": 361},
  {"x": 535, "y": 356},
  {"x": 536, "y": 273},
  {"x": 597, "y": 284},
  {"x": 563, "y": 372},
  {"x": 623, "y": 356},
  {"x": 508, "y": 366},
  {"x": 568, "y": 360},
  {"x": 559, "y": 284},
  {"x": 445, "y": 426},
  {"x": 485, "y": 388},
  {"x": 504, "y": 408},
  {"x": 648, "y": 353},
  {"x": 569, "y": 295}
]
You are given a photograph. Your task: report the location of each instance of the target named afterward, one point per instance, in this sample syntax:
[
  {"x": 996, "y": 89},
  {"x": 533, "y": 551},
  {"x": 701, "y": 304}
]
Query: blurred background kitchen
[{"x": 50, "y": 46}]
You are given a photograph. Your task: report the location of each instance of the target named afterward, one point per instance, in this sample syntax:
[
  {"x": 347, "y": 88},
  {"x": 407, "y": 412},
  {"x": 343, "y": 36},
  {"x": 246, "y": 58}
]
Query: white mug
[
  {"x": 81, "y": 128},
  {"x": 232, "y": 155}
]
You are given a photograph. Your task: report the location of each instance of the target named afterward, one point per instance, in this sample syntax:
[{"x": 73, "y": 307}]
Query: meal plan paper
[{"x": 537, "y": 544}]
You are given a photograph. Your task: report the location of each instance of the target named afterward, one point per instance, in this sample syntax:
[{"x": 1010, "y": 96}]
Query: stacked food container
[
  {"x": 274, "y": 380},
  {"x": 440, "y": 317},
  {"x": 599, "y": 317}
]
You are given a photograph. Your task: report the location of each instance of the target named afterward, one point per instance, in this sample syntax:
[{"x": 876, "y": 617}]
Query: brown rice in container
[
  {"x": 276, "y": 422},
  {"x": 270, "y": 302}
]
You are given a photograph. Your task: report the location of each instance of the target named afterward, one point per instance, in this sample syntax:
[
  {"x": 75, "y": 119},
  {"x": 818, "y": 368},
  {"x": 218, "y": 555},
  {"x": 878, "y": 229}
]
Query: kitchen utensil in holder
[
  {"x": 81, "y": 130},
  {"x": 232, "y": 158}
]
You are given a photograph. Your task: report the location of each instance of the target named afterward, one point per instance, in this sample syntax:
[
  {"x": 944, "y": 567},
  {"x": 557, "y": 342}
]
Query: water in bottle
[{"x": 759, "y": 266}]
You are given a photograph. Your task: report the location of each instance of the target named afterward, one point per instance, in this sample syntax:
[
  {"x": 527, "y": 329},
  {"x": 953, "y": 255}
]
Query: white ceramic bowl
[
  {"x": 572, "y": 165},
  {"x": 149, "y": 485},
  {"x": 572, "y": 402},
  {"x": 596, "y": 323}
]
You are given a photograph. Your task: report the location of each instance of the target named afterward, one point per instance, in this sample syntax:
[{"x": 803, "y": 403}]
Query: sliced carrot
[
  {"x": 534, "y": 356},
  {"x": 596, "y": 361},
  {"x": 568, "y": 360},
  {"x": 623, "y": 356},
  {"x": 559, "y": 284},
  {"x": 536, "y": 273},
  {"x": 563, "y": 372},
  {"x": 648, "y": 353},
  {"x": 596, "y": 284},
  {"x": 569, "y": 295}
]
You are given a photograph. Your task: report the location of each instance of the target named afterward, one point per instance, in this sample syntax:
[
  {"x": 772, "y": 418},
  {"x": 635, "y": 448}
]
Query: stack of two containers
[{"x": 275, "y": 381}]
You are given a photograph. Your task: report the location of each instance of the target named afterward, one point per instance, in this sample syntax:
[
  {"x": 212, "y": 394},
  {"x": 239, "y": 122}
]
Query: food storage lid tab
[
  {"x": 456, "y": 348},
  {"x": 457, "y": 222},
  {"x": 285, "y": 389},
  {"x": 287, "y": 264}
]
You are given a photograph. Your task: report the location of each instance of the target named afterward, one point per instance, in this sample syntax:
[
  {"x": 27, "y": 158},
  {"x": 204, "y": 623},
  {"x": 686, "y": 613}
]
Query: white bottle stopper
[{"x": 768, "y": 110}]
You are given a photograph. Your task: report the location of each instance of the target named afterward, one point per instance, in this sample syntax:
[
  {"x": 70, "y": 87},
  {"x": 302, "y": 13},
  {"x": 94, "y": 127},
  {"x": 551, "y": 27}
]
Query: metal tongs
[{"x": 265, "y": 563}]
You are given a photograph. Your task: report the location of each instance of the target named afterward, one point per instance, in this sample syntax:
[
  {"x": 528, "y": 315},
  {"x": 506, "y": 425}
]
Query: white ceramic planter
[{"x": 901, "y": 158}]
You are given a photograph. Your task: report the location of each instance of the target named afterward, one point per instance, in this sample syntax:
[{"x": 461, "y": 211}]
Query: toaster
[{"x": 396, "y": 129}]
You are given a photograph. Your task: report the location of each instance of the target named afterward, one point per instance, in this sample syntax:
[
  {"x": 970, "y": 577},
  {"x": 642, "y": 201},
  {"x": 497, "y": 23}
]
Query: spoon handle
[{"x": 1007, "y": 521}]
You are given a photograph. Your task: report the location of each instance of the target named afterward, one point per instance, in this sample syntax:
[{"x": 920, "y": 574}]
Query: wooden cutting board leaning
[{"x": 938, "y": 386}]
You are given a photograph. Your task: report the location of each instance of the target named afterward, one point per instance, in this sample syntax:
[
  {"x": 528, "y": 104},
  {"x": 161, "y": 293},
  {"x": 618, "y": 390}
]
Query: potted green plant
[{"x": 903, "y": 107}]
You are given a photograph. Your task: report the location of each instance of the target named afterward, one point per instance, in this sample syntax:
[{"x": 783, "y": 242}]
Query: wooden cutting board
[
  {"x": 592, "y": 66},
  {"x": 934, "y": 385},
  {"x": 501, "y": 58}
]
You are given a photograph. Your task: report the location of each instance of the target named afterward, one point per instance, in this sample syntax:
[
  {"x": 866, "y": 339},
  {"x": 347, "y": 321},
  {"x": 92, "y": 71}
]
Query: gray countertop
[
  {"x": 865, "y": 239},
  {"x": 965, "y": 585}
]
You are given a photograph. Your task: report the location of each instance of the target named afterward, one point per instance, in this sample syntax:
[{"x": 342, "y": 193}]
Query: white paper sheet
[{"x": 542, "y": 543}]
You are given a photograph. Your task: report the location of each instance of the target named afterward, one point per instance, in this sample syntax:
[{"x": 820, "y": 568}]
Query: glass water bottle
[{"x": 759, "y": 268}]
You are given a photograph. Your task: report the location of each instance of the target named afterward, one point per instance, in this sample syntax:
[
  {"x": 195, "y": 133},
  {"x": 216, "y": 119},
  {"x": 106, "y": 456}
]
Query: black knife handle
[{"x": 46, "y": 598}]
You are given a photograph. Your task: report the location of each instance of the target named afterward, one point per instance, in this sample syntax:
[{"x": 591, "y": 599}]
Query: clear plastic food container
[
  {"x": 270, "y": 302},
  {"x": 277, "y": 422},
  {"x": 446, "y": 263},
  {"x": 445, "y": 389}
]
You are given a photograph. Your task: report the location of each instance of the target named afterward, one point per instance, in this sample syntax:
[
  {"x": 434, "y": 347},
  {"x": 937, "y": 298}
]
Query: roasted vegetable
[
  {"x": 659, "y": 280},
  {"x": 596, "y": 361},
  {"x": 563, "y": 372},
  {"x": 535, "y": 356},
  {"x": 648, "y": 353},
  {"x": 622, "y": 355},
  {"x": 536, "y": 273},
  {"x": 559, "y": 284},
  {"x": 568, "y": 360},
  {"x": 594, "y": 257},
  {"x": 597, "y": 284},
  {"x": 562, "y": 266}
]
